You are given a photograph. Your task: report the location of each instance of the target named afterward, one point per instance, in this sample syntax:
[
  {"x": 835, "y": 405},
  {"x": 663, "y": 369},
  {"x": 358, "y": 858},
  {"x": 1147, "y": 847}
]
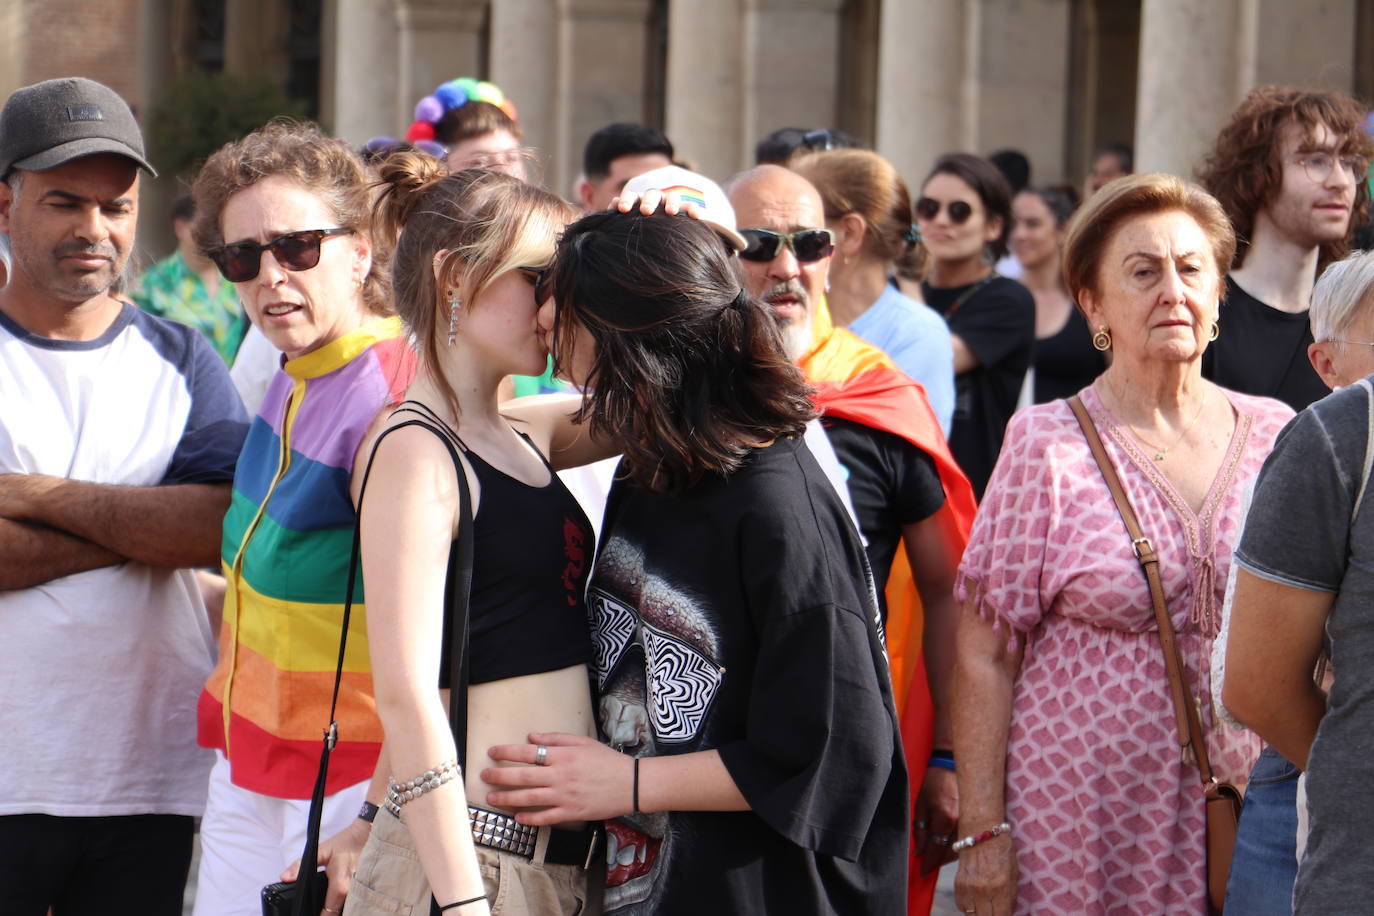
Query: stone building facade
[{"x": 914, "y": 77}]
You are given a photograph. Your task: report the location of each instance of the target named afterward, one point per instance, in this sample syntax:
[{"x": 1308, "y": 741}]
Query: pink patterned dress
[{"x": 1105, "y": 816}]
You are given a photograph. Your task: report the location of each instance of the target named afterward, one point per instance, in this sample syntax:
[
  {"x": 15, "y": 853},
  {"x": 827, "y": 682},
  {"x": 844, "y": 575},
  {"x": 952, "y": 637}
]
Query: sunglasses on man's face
[
  {"x": 807, "y": 244},
  {"x": 927, "y": 208},
  {"x": 240, "y": 261}
]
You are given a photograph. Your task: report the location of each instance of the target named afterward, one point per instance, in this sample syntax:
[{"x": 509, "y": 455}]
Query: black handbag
[{"x": 305, "y": 895}]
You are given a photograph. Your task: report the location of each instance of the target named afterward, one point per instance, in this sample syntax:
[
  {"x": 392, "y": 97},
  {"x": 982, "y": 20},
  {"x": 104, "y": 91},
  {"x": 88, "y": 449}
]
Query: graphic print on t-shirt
[{"x": 655, "y": 667}]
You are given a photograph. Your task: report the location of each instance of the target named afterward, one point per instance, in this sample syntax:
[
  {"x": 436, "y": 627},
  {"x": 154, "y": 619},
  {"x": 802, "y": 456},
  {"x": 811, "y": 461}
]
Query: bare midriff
[{"x": 505, "y": 712}]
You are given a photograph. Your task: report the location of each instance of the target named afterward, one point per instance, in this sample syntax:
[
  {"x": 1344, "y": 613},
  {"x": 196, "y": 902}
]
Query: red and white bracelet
[{"x": 969, "y": 842}]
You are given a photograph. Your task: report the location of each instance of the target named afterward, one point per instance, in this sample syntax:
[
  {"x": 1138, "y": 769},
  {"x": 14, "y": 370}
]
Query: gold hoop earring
[
  {"x": 1102, "y": 340},
  {"x": 1216, "y": 331}
]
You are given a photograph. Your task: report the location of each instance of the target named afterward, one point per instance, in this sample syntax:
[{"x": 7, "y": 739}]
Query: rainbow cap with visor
[{"x": 715, "y": 210}]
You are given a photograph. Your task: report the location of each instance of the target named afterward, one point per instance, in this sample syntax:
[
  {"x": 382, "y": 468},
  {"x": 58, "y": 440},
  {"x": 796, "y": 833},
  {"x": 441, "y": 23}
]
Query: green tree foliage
[{"x": 201, "y": 112}]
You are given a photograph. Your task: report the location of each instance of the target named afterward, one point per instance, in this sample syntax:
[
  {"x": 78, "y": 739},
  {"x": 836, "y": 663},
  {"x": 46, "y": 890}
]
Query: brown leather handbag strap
[{"x": 1186, "y": 718}]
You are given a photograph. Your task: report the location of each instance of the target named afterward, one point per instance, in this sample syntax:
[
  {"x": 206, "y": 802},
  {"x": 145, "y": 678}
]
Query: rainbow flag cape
[{"x": 858, "y": 382}]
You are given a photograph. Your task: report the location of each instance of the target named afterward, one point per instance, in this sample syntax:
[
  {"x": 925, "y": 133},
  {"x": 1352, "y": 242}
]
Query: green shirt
[{"x": 171, "y": 289}]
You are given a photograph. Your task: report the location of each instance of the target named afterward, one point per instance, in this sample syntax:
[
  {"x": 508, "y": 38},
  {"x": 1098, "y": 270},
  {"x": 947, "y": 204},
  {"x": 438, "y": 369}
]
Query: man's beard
[
  {"x": 796, "y": 332},
  {"x": 55, "y": 280}
]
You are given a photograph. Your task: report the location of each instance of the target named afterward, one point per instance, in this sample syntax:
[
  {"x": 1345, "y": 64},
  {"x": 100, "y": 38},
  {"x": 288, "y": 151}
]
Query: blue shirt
[{"x": 917, "y": 339}]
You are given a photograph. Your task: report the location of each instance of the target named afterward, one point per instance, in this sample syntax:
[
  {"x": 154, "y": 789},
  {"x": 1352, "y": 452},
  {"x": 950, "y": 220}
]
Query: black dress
[
  {"x": 996, "y": 321},
  {"x": 1066, "y": 362}
]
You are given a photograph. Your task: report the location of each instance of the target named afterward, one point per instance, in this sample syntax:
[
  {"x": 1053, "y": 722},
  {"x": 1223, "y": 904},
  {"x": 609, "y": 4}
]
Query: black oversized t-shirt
[
  {"x": 1263, "y": 351},
  {"x": 891, "y": 483},
  {"x": 997, "y": 324},
  {"x": 739, "y": 616}
]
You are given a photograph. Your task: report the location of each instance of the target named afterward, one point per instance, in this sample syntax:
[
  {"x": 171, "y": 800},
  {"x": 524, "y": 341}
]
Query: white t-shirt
[
  {"x": 102, "y": 669},
  {"x": 255, "y": 365}
]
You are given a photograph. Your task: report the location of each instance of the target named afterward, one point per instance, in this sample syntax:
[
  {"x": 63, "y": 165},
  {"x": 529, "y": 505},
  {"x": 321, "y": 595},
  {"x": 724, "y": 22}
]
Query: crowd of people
[{"x": 751, "y": 546}]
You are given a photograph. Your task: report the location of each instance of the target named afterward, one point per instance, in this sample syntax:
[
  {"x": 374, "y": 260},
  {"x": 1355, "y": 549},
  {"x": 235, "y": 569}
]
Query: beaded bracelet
[
  {"x": 402, "y": 793},
  {"x": 969, "y": 842}
]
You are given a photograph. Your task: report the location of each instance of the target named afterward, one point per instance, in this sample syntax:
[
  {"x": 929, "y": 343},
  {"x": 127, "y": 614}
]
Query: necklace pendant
[{"x": 1159, "y": 456}]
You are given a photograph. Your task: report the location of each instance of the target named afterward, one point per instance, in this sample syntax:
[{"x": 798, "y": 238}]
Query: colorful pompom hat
[{"x": 430, "y": 110}]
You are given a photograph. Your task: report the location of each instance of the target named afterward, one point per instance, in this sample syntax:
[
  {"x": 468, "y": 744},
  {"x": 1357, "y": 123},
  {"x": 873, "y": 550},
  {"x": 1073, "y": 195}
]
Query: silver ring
[{"x": 541, "y": 756}]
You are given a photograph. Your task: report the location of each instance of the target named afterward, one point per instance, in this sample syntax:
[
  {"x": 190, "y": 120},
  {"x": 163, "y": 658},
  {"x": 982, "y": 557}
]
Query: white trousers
[{"x": 247, "y": 839}]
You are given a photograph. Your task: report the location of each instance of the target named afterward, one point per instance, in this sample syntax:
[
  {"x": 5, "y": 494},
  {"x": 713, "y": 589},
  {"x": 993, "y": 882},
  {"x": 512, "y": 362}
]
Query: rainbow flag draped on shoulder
[
  {"x": 858, "y": 382},
  {"x": 287, "y": 538}
]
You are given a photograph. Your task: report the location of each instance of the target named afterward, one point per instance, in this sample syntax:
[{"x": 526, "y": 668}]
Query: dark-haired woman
[
  {"x": 470, "y": 248},
  {"x": 754, "y": 762},
  {"x": 964, "y": 214},
  {"x": 1065, "y": 359}
]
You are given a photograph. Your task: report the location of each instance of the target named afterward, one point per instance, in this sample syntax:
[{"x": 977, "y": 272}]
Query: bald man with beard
[{"x": 899, "y": 469}]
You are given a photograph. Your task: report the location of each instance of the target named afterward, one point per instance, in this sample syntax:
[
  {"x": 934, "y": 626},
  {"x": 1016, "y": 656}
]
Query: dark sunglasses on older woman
[
  {"x": 927, "y": 208},
  {"x": 807, "y": 244},
  {"x": 240, "y": 261}
]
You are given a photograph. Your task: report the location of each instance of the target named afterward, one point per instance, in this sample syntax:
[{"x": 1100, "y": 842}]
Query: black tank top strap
[
  {"x": 535, "y": 449},
  {"x": 424, "y": 410}
]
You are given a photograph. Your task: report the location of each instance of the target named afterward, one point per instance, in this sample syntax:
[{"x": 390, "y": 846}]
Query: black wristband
[
  {"x": 941, "y": 753},
  {"x": 635, "y": 799},
  {"x": 368, "y": 812},
  {"x": 458, "y": 903}
]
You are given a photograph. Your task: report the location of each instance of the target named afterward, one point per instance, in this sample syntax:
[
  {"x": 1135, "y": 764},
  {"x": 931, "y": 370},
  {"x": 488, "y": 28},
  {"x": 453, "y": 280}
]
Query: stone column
[
  {"x": 1196, "y": 62},
  {"x": 927, "y": 82},
  {"x": 360, "y": 92},
  {"x": 603, "y": 64},
  {"x": 1300, "y": 46},
  {"x": 524, "y": 62},
  {"x": 791, "y": 68},
  {"x": 708, "y": 111},
  {"x": 159, "y": 43},
  {"x": 440, "y": 40},
  {"x": 1024, "y": 91},
  {"x": 12, "y": 30}
]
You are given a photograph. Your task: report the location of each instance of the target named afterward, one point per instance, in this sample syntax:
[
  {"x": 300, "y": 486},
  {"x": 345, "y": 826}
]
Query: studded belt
[{"x": 504, "y": 833}]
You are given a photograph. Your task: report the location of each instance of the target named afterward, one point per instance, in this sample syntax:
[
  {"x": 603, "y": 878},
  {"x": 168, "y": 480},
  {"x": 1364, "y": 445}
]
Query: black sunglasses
[
  {"x": 819, "y": 140},
  {"x": 807, "y": 244},
  {"x": 240, "y": 261},
  {"x": 542, "y": 280},
  {"x": 959, "y": 211}
]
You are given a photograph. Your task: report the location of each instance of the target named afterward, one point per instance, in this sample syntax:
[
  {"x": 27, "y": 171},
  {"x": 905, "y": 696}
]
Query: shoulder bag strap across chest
[{"x": 1191, "y": 742}]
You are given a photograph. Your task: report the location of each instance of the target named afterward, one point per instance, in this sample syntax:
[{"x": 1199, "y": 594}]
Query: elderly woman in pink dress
[{"x": 1065, "y": 733}]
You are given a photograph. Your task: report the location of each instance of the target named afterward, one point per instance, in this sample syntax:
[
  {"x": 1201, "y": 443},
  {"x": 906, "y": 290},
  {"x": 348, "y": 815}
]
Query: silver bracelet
[{"x": 399, "y": 794}]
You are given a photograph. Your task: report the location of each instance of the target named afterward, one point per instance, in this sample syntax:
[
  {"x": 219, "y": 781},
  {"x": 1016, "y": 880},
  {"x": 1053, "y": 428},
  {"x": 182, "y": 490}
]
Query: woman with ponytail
[
  {"x": 754, "y": 762},
  {"x": 471, "y": 247},
  {"x": 868, "y": 208}
]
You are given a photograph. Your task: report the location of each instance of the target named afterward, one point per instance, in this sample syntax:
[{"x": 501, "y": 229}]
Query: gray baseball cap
[{"x": 49, "y": 123}]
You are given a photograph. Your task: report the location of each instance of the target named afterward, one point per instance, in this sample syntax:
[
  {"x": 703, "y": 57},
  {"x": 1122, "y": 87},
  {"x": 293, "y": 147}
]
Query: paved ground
[{"x": 944, "y": 893}]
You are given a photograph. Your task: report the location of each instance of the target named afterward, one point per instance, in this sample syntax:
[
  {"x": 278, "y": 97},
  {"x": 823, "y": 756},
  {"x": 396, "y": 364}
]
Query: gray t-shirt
[{"x": 1299, "y": 533}]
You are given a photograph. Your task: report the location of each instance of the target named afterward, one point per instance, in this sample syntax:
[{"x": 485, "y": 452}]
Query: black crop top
[{"x": 532, "y": 552}]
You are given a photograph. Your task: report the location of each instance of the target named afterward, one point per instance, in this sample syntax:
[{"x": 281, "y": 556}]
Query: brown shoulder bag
[{"x": 1222, "y": 799}]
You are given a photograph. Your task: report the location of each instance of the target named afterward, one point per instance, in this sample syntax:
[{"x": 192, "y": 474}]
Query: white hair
[
  {"x": 1343, "y": 289},
  {"x": 5, "y": 257}
]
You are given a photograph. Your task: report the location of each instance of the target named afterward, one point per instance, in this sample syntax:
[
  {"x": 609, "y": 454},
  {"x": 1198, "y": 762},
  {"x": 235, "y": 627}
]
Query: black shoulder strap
[{"x": 457, "y": 592}]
